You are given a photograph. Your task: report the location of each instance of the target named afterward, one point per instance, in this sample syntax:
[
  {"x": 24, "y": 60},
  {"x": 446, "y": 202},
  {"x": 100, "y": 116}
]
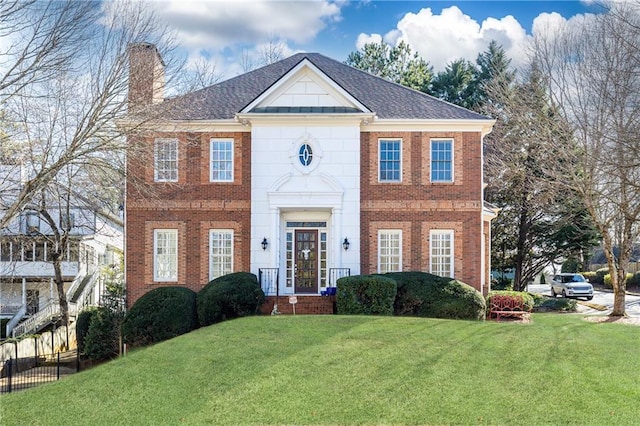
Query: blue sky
[{"x": 440, "y": 31}]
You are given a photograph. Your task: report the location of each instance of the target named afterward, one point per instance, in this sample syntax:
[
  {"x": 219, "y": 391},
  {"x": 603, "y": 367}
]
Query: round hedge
[
  {"x": 427, "y": 295},
  {"x": 365, "y": 295},
  {"x": 160, "y": 314},
  {"x": 229, "y": 296}
]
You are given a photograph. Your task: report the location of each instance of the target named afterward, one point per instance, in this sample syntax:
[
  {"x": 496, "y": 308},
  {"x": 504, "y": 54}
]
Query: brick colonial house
[{"x": 301, "y": 172}]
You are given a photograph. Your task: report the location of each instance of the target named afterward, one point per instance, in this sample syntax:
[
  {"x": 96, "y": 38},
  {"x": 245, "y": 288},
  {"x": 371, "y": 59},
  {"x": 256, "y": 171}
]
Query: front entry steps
[{"x": 306, "y": 305}]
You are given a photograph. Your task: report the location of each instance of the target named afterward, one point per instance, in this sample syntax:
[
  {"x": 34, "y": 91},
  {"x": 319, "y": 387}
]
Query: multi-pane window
[
  {"x": 442, "y": 160},
  {"x": 221, "y": 160},
  {"x": 221, "y": 252},
  {"x": 166, "y": 160},
  {"x": 165, "y": 255},
  {"x": 390, "y": 160},
  {"x": 389, "y": 251},
  {"x": 441, "y": 253}
]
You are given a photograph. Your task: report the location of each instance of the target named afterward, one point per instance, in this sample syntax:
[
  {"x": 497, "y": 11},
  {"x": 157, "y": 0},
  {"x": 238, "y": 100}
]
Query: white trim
[
  {"x": 173, "y": 277},
  {"x": 316, "y": 158},
  {"x": 380, "y": 160},
  {"x": 453, "y": 176},
  {"x": 211, "y": 269},
  {"x": 390, "y": 232},
  {"x": 211, "y": 142},
  {"x": 451, "y": 234},
  {"x": 155, "y": 158},
  {"x": 304, "y": 67},
  {"x": 369, "y": 123}
]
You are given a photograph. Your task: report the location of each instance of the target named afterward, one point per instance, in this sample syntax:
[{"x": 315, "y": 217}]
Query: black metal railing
[
  {"x": 23, "y": 373},
  {"x": 269, "y": 282},
  {"x": 336, "y": 273}
]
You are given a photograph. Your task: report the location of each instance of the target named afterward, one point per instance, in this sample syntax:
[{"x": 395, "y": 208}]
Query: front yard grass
[{"x": 559, "y": 369}]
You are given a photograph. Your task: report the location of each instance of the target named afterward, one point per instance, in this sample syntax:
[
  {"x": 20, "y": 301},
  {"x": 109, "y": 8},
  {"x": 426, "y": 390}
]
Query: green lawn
[{"x": 357, "y": 370}]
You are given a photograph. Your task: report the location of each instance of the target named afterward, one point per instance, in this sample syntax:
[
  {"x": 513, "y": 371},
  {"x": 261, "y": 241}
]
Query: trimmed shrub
[
  {"x": 229, "y": 296},
  {"x": 589, "y": 276},
  {"x": 609, "y": 284},
  {"x": 599, "y": 278},
  {"x": 365, "y": 295},
  {"x": 427, "y": 295},
  {"x": 544, "y": 303},
  {"x": 634, "y": 281},
  {"x": 102, "y": 341},
  {"x": 82, "y": 326},
  {"x": 160, "y": 314}
]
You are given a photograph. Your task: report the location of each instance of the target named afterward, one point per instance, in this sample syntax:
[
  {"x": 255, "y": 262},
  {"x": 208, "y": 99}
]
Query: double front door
[{"x": 306, "y": 261}]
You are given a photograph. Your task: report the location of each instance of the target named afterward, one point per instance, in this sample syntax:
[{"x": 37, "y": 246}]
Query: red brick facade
[
  {"x": 417, "y": 206},
  {"x": 193, "y": 205}
]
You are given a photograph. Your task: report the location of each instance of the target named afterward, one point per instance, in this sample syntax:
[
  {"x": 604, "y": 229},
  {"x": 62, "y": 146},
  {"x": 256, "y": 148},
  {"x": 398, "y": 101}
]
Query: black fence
[
  {"x": 24, "y": 373},
  {"x": 269, "y": 281}
]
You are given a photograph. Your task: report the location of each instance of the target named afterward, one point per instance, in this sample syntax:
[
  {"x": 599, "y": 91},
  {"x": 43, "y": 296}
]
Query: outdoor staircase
[{"x": 77, "y": 297}]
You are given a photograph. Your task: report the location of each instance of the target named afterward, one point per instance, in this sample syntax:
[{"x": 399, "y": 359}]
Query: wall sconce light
[
  {"x": 346, "y": 244},
  {"x": 264, "y": 243}
]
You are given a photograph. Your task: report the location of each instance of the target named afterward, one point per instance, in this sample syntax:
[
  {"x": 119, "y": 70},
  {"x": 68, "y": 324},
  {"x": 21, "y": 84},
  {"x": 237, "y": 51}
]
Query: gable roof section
[
  {"x": 306, "y": 89},
  {"x": 388, "y": 100}
]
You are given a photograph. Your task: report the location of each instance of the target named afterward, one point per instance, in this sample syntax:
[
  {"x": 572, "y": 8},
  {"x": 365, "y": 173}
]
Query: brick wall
[
  {"x": 193, "y": 205},
  {"x": 307, "y": 305},
  {"x": 417, "y": 206}
]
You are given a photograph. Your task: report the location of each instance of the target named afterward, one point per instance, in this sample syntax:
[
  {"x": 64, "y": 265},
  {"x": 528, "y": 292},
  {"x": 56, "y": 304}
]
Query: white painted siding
[{"x": 280, "y": 186}]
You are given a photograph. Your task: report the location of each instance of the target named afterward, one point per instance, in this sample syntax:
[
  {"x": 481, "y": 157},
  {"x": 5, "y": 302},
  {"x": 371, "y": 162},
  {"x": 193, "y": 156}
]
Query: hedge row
[
  {"x": 603, "y": 278},
  {"x": 168, "y": 312},
  {"x": 409, "y": 293}
]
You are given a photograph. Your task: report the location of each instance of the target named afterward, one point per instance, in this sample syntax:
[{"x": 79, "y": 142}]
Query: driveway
[{"x": 603, "y": 298}]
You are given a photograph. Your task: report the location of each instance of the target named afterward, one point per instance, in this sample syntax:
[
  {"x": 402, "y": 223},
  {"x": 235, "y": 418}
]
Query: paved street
[{"x": 599, "y": 297}]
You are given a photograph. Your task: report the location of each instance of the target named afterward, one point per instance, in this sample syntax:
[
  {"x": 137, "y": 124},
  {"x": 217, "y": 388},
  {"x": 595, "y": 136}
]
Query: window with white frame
[
  {"x": 441, "y": 252},
  {"x": 389, "y": 251},
  {"x": 165, "y": 255},
  {"x": 221, "y": 160},
  {"x": 390, "y": 160},
  {"x": 220, "y": 252},
  {"x": 442, "y": 160},
  {"x": 166, "y": 160}
]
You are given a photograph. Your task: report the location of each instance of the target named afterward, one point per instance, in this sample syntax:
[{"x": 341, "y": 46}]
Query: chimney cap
[{"x": 146, "y": 45}]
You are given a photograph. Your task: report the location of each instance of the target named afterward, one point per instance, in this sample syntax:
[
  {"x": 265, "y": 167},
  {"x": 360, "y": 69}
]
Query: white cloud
[
  {"x": 215, "y": 25},
  {"x": 451, "y": 35}
]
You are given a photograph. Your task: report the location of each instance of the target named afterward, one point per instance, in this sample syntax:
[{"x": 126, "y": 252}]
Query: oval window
[{"x": 305, "y": 154}]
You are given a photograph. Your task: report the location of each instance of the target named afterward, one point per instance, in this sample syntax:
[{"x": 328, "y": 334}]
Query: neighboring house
[
  {"x": 28, "y": 295},
  {"x": 301, "y": 172},
  {"x": 599, "y": 260}
]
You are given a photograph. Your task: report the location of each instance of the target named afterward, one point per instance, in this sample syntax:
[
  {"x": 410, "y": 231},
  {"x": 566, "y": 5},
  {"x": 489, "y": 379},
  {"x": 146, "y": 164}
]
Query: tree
[
  {"x": 593, "y": 72},
  {"x": 456, "y": 84},
  {"x": 536, "y": 224},
  {"x": 271, "y": 52},
  {"x": 465, "y": 84},
  {"x": 492, "y": 64},
  {"x": 65, "y": 134},
  {"x": 398, "y": 64},
  {"x": 41, "y": 38}
]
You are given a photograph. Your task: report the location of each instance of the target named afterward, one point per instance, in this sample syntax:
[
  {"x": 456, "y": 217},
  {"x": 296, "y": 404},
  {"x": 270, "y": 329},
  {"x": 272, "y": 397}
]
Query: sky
[{"x": 440, "y": 31}]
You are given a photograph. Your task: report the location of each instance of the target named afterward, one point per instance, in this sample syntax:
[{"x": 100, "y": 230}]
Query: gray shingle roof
[{"x": 388, "y": 100}]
